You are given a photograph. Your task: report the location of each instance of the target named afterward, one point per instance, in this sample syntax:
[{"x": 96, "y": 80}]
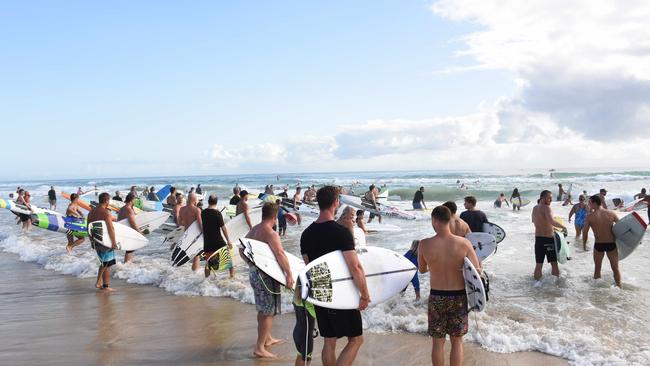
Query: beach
[{"x": 54, "y": 319}]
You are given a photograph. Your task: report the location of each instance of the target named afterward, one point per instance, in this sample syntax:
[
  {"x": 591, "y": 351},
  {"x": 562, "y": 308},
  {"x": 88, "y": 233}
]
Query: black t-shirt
[
  {"x": 418, "y": 197},
  {"x": 235, "y": 200},
  {"x": 51, "y": 194},
  {"x": 212, "y": 223},
  {"x": 117, "y": 198},
  {"x": 475, "y": 220},
  {"x": 320, "y": 239}
]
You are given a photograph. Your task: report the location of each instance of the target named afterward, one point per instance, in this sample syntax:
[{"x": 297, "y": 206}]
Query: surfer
[
  {"x": 560, "y": 192},
  {"x": 296, "y": 204},
  {"x": 282, "y": 218},
  {"x": 370, "y": 198},
  {"x": 601, "y": 222},
  {"x": 199, "y": 190},
  {"x": 171, "y": 199},
  {"x": 360, "y": 221},
  {"x": 581, "y": 211},
  {"x": 132, "y": 190},
  {"x": 51, "y": 196},
  {"x": 324, "y": 236},
  {"x": 23, "y": 199},
  {"x": 80, "y": 191},
  {"x": 515, "y": 198},
  {"x": 178, "y": 204},
  {"x": 213, "y": 226},
  {"x": 235, "y": 195},
  {"x": 126, "y": 212},
  {"x": 106, "y": 255},
  {"x": 187, "y": 215},
  {"x": 602, "y": 193},
  {"x": 242, "y": 207},
  {"x": 473, "y": 217},
  {"x": 412, "y": 255},
  {"x": 284, "y": 193},
  {"x": 456, "y": 224},
  {"x": 151, "y": 196},
  {"x": 544, "y": 237},
  {"x": 117, "y": 196},
  {"x": 443, "y": 256},
  {"x": 75, "y": 211},
  {"x": 640, "y": 195},
  {"x": 646, "y": 199},
  {"x": 265, "y": 289},
  {"x": 418, "y": 199},
  {"x": 499, "y": 201}
]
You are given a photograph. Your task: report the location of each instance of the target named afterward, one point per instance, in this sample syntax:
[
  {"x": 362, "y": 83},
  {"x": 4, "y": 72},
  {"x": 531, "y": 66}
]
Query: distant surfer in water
[
  {"x": 265, "y": 289},
  {"x": 73, "y": 210},
  {"x": 601, "y": 222},
  {"x": 581, "y": 211},
  {"x": 187, "y": 215},
  {"x": 544, "y": 236},
  {"x": 126, "y": 212},
  {"x": 418, "y": 199},
  {"x": 106, "y": 255},
  {"x": 515, "y": 198},
  {"x": 640, "y": 195},
  {"x": 443, "y": 257},
  {"x": 560, "y": 192},
  {"x": 499, "y": 201},
  {"x": 371, "y": 198},
  {"x": 456, "y": 224},
  {"x": 324, "y": 236}
]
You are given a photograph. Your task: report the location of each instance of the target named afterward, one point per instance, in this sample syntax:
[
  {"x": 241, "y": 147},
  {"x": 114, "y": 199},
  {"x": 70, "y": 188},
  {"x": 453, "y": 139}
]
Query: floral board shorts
[
  {"x": 447, "y": 313},
  {"x": 266, "y": 291}
]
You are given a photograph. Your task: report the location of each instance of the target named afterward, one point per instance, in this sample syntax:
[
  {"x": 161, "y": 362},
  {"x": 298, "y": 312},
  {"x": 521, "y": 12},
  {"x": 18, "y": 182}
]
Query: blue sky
[{"x": 155, "y": 88}]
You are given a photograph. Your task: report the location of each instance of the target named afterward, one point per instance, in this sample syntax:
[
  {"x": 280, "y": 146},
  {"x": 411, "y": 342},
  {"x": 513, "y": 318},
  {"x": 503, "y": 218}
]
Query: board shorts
[
  {"x": 417, "y": 206},
  {"x": 544, "y": 247},
  {"x": 303, "y": 331},
  {"x": 497, "y": 203},
  {"x": 52, "y": 202},
  {"x": 221, "y": 261},
  {"x": 106, "y": 256},
  {"x": 24, "y": 217},
  {"x": 604, "y": 247},
  {"x": 266, "y": 291},
  {"x": 335, "y": 323},
  {"x": 447, "y": 313}
]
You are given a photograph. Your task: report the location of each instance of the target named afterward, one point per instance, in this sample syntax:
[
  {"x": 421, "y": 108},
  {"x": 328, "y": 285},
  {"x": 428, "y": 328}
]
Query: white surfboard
[
  {"x": 148, "y": 221},
  {"x": 484, "y": 244},
  {"x": 188, "y": 245},
  {"x": 238, "y": 228},
  {"x": 375, "y": 227},
  {"x": 174, "y": 236},
  {"x": 476, "y": 299},
  {"x": 127, "y": 238},
  {"x": 495, "y": 230},
  {"x": 629, "y": 232},
  {"x": 359, "y": 238},
  {"x": 328, "y": 283},
  {"x": 383, "y": 209},
  {"x": 635, "y": 205},
  {"x": 261, "y": 254},
  {"x": 562, "y": 249},
  {"x": 520, "y": 201}
]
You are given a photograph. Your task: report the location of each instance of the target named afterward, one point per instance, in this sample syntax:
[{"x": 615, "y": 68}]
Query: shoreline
[{"x": 55, "y": 319}]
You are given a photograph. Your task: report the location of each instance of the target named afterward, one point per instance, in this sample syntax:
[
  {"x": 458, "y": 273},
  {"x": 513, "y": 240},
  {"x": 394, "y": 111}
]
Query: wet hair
[
  {"x": 415, "y": 245},
  {"x": 642, "y": 190},
  {"x": 21, "y": 191},
  {"x": 544, "y": 193},
  {"x": 236, "y": 190},
  {"x": 451, "y": 205},
  {"x": 421, "y": 188},
  {"x": 441, "y": 213},
  {"x": 596, "y": 200},
  {"x": 212, "y": 200},
  {"x": 152, "y": 189},
  {"x": 326, "y": 196},
  {"x": 269, "y": 210},
  {"x": 471, "y": 200},
  {"x": 372, "y": 186},
  {"x": 516, "y": 190},
  {"x": 104, "y": 197},
  {"x": 172, "y": 190},
  {"x": 73, "y": 197},
  {"x": 129, "y": 197},
  {"x": 298, "y": 189},
  {"x": 243, "y": 193},
  {"x": 117, "y": 193},
  {"x": 348, "y": 209},
  {"x": 360, "y": 212}
]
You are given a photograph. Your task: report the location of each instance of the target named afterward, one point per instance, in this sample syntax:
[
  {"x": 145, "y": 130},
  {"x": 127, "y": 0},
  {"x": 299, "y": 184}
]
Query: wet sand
[{"x": 54, "y": 319}]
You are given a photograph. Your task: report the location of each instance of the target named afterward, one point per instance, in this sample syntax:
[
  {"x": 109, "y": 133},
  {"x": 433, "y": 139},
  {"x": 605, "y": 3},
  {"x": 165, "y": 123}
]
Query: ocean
[{"x": 586, "y": 321}]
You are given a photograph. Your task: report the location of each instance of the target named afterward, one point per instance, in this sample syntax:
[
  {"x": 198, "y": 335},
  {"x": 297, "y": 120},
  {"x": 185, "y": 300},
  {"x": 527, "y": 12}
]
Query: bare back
[
  {"x": 459, "y": 227},
  {"x": 187, "y": 215},
  {"x": 242, "y": 206},
  {"x": 601, "y": 222},
  {"x": 543, "y": 220},
  {"x": 444, "y": 256},
  {"x": 263, "y": 233}
]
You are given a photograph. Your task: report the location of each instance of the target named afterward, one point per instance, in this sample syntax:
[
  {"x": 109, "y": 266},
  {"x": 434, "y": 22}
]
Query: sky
[{"x": 148, "y": 88}]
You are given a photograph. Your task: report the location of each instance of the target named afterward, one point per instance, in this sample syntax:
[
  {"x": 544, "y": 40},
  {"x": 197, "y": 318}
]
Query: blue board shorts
[{"x": 106, "y": 256}]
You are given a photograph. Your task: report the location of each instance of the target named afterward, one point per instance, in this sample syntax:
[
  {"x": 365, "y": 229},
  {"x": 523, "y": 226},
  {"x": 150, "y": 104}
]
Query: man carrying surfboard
[
  {"x": 106, "y": 256},
  {"x": 126, "y": 212},
  {"x": 370, "y": 198},
  {"x": 186, "y": 217},
  {"x": 242, "y": 207},
  {"x": 601, "y": 222},
  {"x": 443, "y": 256},
  {"x": 544, "y": 237},
  {"x": 75, "y": 211},
  {"x": 265, "y": 289},
  {"x": 324, "y": 236},
  {"x": 213, "y": 225}
]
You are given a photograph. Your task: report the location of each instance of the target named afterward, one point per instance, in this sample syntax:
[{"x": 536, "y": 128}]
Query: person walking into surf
[
  {"x": 544, "y": 235},
  {"x": 474, "y": 217},
  {"x": 456, "y": 225},
  {"x": 515, "y": 199},
  {"x": 581, "y": 211},
  {"x": 601, "y": 221},
  {"x": 73, "y": 210},
  {"x": 187, "y": 215},
  {"x": 106, "y": 255},
  {"x": 127, "y": 212},
  {"x": 418, "y": 199}
]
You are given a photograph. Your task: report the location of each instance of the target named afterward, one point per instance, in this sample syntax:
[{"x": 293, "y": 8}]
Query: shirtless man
[
  {"x": 602, "y": 193},
  {"x": 171, "y": 199},
  {"x": 371, "y": 198},
  {"x": 242, "y": 207},
  {"x": 456, "y": 224},
  {"x": 178, "y": 203},
  {"x": 23, "y": 199},
  {"x": 443, "y": 255},
  {"x": 187, "y": 215},
  {"x": 266, "y": 301},
  {"x": 544, "y": 237},
  {"x": 601, "y": 222},
  {"x": 75, "y": 211},
  {"x": 106, "y": 256},
  {"x": 126, "y": 212},
  {"x": 641, "y": 195},
  {"x": 296, "y": 204}
]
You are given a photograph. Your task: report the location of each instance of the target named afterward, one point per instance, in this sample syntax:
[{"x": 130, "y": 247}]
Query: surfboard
[
  {"x": 301, "y": 208},
  {"x": 148, "y": 221},
  {"x": 291, "y": 218},
  {"x": 495, "y": 230},
  {"x": 359, "y": 238},
  {"x": 562, "y": 250},
  {"x": 383, "y": 209},
  {"x": 328, "y": 283},
  {"x": 22, "y": 209},
  {"x": 524, "y": 201},
  {"x": 63, "y": 224},
  {"x": 484, "y": 244},
  {"x": 635, "y": 205},
  {"x": 238, "y": 228},
  {"x": 82, "y": 202},
  {"x": 220, "y": 260},
  {"x": 629, "y": 232},
  {"x": 127, "y": 238},
  {"x": 375, "y": 227},
  {"x": 188, "y": 245},
  {"x": 262, "y": 256},
  {"x": 174, "y": 236},
  {"x": 147, "y": 205},
  {"x": 164, "y": 192},
  {"x": 476, "y": 299}
]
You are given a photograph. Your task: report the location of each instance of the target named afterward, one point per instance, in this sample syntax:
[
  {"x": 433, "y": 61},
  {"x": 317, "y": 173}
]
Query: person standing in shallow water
[
  {"x": 544, "y": 235},
  {"x": 581, "y": 211},
  {"x": 127, "y": 212},
  {"x": 601, "y": 221},
  {"x": 75, "y": 211},
  {"x": 51, "y": 196},
  {"x": 106, "y": 255}
]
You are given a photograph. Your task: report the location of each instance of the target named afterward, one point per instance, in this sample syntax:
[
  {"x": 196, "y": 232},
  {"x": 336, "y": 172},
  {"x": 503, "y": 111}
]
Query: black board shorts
[
  {"x": 604, "y": 247},
  {"x": 544, "y": 248},
  {"x": 334, "y": 323}
]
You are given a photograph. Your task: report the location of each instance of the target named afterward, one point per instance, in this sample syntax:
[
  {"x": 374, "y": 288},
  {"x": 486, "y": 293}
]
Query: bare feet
[
  {"x": 108, "y": 289},
  {"x": 264, "y": 354},
  {"x": 68, "y": 249},
  {"x": 98, "y": 285},
  {"x": 272, "y": 341},
  {"x": 207, "y": 271}
]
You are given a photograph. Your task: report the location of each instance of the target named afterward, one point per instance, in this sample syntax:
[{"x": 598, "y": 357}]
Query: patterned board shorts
[
  {"x": 106, "y": 256},
  {"x": 266, "y": 291},
  {"x": 447, "y": 313}
]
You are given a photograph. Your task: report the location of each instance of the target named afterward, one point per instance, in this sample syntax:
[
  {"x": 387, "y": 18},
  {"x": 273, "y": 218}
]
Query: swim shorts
[
  {"x": 106, "y": 256},
  {"x": 24, "y": 217},
  {"x": 266, "y": 291},
  {"x": 447, "y": 313},
  {"x": 334, "y": 323},
  {"x": 604, "y": 247},
  {"x": 417, "y": 206},
  {"x": 304, "y": 332},
  {"x": 544, "y": 248}
]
